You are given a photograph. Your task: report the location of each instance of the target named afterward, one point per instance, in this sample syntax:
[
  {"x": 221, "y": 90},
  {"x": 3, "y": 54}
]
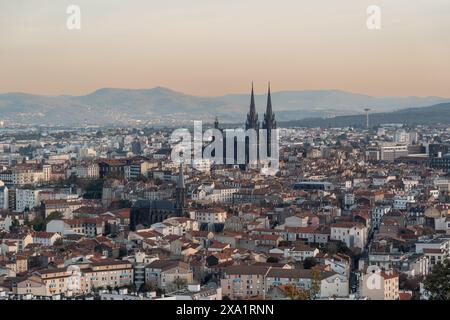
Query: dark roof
[
  {"x": 276, "y": 272},
  {"x": 247, "y": 270},
  {"x": 108, "y": 262},
  {"x": 157, "y": 204},
  {"x": 297, "y": 273},
  {"x": 167, "y": 264}
]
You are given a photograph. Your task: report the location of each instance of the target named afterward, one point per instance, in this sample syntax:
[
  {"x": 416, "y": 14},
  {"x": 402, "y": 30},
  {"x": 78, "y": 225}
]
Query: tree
[
  {"x": 55, "y": 215},
  {"x": 309, "y": 262},
  {"x": 147, "y": 287},
  {"x": 331, "y": 248},
  {"x": 123, "y": 252},
  {"x": 409, "y": 283},
  {"x": 130, "y": 287},
  {"x": 272, "y": 260},
  {"x": 15, "y": 226},
  {"x": 179, "y": 283},
  {"x": 437, "y": 282},
  {"x": 142, "y": 178},
  {"x": 26, "y": 151},
  {"x": 39, "y": 223},
  {"x": 93, "y": 189},
  {"x": 72, "y": 180},
  {"x": 114, "y": 176},
  {"x": 315, "y": 283},
  {"x": 426, "y": 231},
  {"x": 338, "y": 247},
  {"x": 293, "y": 293},
  {"x": 58, "y": 242}
]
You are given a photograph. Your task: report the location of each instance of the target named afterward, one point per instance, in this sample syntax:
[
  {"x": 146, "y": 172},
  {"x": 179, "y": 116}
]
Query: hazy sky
[{"x": 214, "y": 47}]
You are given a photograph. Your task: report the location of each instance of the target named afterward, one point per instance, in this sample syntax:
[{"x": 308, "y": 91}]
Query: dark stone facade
[{"x": 146, "y": 212}]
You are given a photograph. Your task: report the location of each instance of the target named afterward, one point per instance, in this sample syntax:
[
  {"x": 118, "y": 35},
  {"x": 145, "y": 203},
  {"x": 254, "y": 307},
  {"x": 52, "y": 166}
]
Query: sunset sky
[{"x": 215, "y": 47}]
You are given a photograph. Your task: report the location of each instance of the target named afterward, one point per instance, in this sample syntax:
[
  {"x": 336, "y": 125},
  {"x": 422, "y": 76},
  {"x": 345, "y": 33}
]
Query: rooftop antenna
[{"x": 367, "y": 117}]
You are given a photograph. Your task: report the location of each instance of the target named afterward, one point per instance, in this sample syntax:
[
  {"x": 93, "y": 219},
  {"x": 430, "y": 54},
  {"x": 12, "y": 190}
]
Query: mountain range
[{"x": 165, "y": 106}]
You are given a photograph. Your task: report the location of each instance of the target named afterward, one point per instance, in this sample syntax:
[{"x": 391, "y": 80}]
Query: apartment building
[
  {"x": 89, "y": 170},
  {"x": 330, "y": 283},
  {"x": 436, "y": 250},
  {"x": 63, "y": 206},
  {"x": 109, "y": 273},
  {"x": 379, "y": 284},
  {"x": 391, "y": 152},
  {"x": 164, "y": 273},
  {"x": 77, "y": 280},
  {"x": 243, "y": 282}
]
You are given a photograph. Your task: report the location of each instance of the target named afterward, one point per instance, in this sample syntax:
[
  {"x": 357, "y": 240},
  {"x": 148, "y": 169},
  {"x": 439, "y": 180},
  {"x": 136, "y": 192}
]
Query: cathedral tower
[
  {"x": 252, "y": 117},
  {"x": 269, "y": 122}
]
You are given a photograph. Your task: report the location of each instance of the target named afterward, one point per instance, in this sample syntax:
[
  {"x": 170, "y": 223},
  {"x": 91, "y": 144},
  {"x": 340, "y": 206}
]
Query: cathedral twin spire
[{"x": 252, "y": 117}]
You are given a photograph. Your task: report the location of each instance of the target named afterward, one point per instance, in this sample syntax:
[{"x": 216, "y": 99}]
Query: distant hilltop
[
  {"x": 436, "y": 114},
  {"x": 165, "y": 106}
]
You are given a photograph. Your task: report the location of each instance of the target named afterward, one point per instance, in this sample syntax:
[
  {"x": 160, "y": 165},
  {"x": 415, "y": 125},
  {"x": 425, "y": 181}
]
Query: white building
[
  {"x": 299, "y": 252},
  {"x": 209, "y": 215},
  {"x": 59, "y": 226},
  {"x": 401, "y": 136},
  {"x": 436, "y": 250},
  {"x": 203, "y": 165},
  {"x": 195, "y": 292},
  {"x": 177, "y": 226},
  {"x": 409, "y": 184},
  {"x": 392, "y": 152},
  {"x": 349, "y": 199},
  {"x": 3, "y": 196},
  {"x": 27, "y": 199},
  {"x": 87, "y": 153},
  {"x": 351, "y": 233},
  {"x": 338, "y": 264},
  {"x": 296, "y": 221},
  {"x": 5, "y": 223},
  {"x": 378, "y": 213},
  {"x": 47, "y": 239},
  {"x": 209, "y": 193},
  {"x": 87, "y": 171},
  {"x": 400, "y": 202},
  {"x": 224, "y": 194}
]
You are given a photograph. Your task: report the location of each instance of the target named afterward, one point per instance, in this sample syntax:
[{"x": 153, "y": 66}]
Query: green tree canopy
[
  {"x": 437, "y": 283},
  {"x": 272, "y": 260},
  {"x": 309, "y": 262}
]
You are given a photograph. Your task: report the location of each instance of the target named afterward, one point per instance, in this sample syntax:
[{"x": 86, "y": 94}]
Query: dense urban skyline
[{"x": 224, "y": 150}]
